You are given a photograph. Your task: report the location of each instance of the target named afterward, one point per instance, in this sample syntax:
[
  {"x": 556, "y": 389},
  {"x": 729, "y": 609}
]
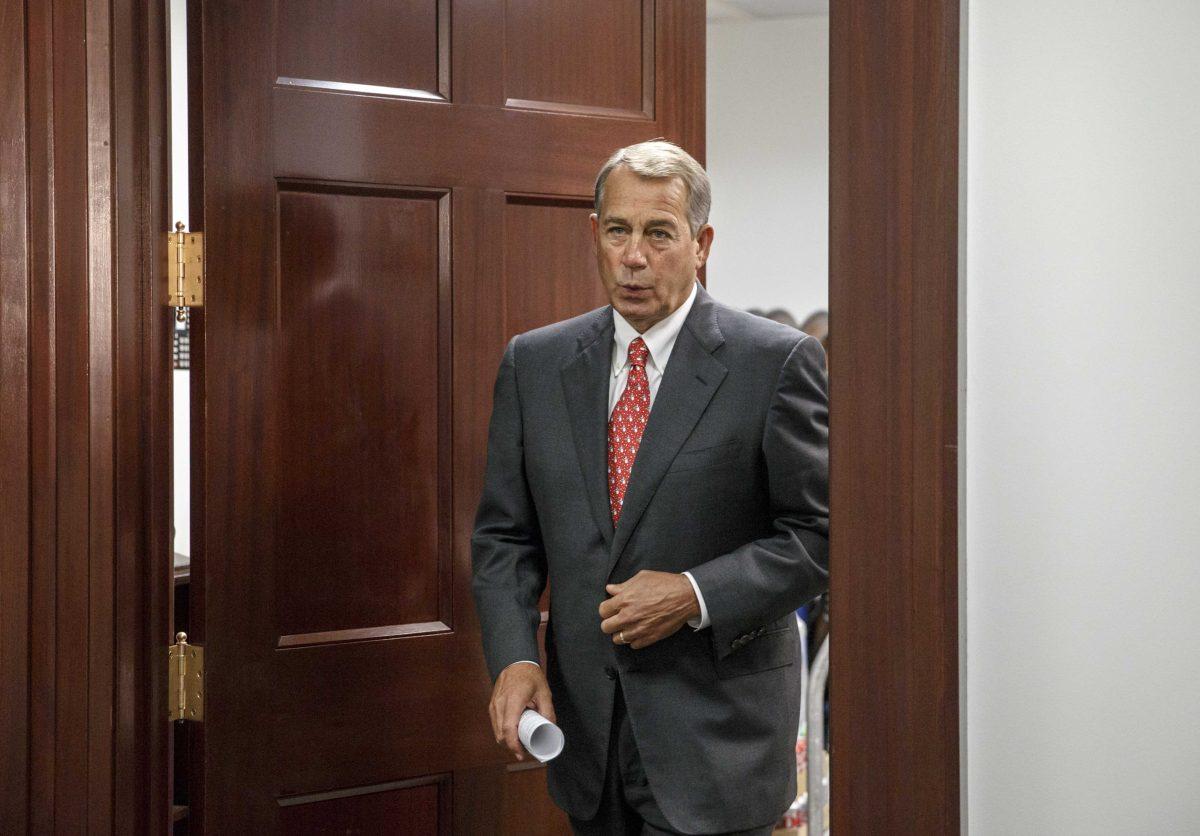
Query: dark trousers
[{"x": 627, "y": 806}]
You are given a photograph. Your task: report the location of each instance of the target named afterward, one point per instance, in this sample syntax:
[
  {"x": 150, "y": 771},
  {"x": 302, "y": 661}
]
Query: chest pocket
[{"x": 726, "y": 451}]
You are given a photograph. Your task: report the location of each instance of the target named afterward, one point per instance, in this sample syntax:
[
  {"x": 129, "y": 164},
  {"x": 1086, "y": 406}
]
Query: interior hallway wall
[
  {"x": 177, "y": 24},
  {"x": 768, "y": 157},
  {"x": 1082, "y": 414}
]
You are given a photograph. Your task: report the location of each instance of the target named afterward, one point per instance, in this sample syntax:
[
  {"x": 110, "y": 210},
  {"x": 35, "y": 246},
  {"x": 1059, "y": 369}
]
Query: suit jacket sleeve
[
  {"x": 508, "y": 560},
  {"x": 769, "y": 578}
]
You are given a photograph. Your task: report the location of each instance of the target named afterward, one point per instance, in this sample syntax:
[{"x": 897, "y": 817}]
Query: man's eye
[
  {"x": 615, "y": 230},
  {"x": 660, "y": 234}
]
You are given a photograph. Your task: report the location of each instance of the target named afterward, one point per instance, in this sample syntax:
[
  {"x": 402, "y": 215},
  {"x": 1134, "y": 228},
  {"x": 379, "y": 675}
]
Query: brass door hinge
[
  {"x": 184, "y": 270},
  {"x": 186, "y": 678}
]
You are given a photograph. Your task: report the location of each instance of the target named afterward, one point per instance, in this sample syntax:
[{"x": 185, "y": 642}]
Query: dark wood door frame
[
  {"x": 85, "y": 411},
  {"x": 85, "y": 439},
  {"x": 893, "y": 293}
]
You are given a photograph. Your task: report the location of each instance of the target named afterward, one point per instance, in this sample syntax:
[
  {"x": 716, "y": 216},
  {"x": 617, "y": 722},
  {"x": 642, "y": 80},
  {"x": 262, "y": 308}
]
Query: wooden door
[{"x": 390, "y": 190}]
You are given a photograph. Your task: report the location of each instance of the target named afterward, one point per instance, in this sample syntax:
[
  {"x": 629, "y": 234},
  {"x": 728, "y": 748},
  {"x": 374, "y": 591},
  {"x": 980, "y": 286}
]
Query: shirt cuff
[
  {"x": 521, "y": 662},
  {"x": 701, "y": 621}
]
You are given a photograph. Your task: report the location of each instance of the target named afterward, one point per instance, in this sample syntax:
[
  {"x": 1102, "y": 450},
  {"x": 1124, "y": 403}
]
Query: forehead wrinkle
[
  {"x": 669, "y": 220},
  {"x": 629, "y": 193}
]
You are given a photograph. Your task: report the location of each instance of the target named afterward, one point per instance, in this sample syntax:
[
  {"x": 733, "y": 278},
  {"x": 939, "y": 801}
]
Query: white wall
[
  {"x": 1083, "y": 417},
  {"x": 768, "y": 157},
  {"x": 179, "y": 209}
]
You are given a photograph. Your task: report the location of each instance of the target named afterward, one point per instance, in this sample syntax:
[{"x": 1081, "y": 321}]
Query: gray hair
[{"x": 659, "y": 158}]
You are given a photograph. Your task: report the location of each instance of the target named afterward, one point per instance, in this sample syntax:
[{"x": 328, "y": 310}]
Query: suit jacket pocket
[
  {"x": 706, "y": 456},
  {"x": 774, "y": 649}
]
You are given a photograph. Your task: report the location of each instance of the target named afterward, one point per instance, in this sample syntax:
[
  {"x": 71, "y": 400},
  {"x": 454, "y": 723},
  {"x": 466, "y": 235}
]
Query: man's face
[{"x": 644, "y": 249}]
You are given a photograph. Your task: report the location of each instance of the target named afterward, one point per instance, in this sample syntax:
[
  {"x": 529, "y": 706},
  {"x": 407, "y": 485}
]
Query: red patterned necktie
[{"x": 626, "y": 426}]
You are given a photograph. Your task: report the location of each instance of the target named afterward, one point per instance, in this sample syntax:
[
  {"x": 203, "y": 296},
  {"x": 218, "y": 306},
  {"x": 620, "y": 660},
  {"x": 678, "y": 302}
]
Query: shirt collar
[{"x": 659, "y": 337}]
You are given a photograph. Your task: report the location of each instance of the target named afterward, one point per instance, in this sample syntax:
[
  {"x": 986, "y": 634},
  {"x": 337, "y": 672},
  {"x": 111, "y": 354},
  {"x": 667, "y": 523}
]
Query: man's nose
[{"x": 632, "y": 257}]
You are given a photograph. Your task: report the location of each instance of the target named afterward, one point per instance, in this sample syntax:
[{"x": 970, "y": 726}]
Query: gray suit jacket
[{"x": 731, "y": 483}]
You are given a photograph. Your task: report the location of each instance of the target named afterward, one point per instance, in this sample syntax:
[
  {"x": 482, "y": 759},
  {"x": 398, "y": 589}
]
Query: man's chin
[{"x": 639, "y": 315}]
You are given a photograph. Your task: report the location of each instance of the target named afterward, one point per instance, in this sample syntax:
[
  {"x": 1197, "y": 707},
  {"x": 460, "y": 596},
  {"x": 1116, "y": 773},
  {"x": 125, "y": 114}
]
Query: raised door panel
[
  {"x": 419, "y": 806},
  {"x": 549, "y": 274},
  {"x": 396, "y": 47},
  {"x": 549, "y": 265},
  {"x": 580, "y": 56},
  {"x": 362, "y": 527}
]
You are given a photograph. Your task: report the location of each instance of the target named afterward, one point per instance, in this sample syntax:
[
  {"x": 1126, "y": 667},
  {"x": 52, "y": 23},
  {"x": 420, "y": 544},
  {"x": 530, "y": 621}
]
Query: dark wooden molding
[
  {"x": 82, "y": 341},
  {"x": 16, "y": 448},
  {"x": 894, "y": 209}
]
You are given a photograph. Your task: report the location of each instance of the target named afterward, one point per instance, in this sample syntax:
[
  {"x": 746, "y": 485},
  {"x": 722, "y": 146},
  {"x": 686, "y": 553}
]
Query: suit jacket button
[{"x": 610, "y": 672}]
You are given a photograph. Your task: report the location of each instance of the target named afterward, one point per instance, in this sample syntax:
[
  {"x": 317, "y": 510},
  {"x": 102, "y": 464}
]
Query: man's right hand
[{"x": 521, "y": 685}]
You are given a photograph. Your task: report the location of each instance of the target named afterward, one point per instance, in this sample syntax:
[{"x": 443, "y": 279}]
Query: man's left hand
[{"x": 647, "y": 608}]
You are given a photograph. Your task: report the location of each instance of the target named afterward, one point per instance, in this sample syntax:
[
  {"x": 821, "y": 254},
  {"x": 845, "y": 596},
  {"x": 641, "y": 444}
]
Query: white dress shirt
[{"x": 660, "y": 340}]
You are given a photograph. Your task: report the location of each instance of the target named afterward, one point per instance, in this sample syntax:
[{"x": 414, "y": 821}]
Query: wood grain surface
[{"x": 894, "y": 204}]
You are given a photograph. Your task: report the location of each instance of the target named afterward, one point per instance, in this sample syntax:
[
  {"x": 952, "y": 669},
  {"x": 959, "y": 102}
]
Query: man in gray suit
[{"x": 662, "y": 462}]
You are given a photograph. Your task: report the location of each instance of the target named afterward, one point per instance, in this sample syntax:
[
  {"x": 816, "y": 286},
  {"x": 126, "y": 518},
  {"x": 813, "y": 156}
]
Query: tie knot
[{"x": 638, "y": 352}]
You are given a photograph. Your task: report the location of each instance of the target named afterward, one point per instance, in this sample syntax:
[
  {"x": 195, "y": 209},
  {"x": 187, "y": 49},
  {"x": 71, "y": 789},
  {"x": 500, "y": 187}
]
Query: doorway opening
[
  {"x": 185, "y": 739},
  {"x": 767, "y": 155}
]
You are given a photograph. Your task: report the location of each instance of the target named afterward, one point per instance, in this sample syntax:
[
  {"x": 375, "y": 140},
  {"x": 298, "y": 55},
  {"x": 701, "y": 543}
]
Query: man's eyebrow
[{"x": 613, "y": 219}]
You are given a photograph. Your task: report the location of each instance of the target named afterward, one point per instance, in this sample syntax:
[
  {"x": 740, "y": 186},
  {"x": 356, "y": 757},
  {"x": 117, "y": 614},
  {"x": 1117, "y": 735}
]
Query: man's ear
[
  {"x": 704, "y": 240},
  {"x": 595, "y": 219}
]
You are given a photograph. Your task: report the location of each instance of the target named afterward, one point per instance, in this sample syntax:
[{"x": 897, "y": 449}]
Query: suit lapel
[
  {"x": 692, "y": 377},
  {"x": 585, "y": 384}
]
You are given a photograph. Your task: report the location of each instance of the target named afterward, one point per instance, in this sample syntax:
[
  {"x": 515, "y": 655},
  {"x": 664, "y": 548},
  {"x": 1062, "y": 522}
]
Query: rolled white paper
[{"x": 539, "y": 736}]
